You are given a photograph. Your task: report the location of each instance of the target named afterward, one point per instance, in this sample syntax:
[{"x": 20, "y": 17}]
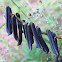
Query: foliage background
[{"x": 49, "y": 16}]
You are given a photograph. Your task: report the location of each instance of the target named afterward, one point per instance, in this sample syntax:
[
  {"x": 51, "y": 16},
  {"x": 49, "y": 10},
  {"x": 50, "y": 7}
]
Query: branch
[
  {"x": 23, "y": 22},
  {"x": 42, "y": 32},
  {"x": 56, "y": 36}
]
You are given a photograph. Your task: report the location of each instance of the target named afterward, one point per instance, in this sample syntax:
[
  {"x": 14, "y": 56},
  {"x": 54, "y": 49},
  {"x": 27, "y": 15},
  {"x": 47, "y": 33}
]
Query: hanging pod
[
  {"x": 52, "y": 42},
  {"x": 41, "y": 40},
  {"x": 36, "y": 36},
  {"x": 55, "y": 41},
  {"x": 14, "y": 27},
  {"x": 20, "y": 33},
  {"x": 30, "y": 37},
  {"x": 8, "y": 13},
  {"x": 26, "y": 33},
  {"x": 20, "y": 30}
]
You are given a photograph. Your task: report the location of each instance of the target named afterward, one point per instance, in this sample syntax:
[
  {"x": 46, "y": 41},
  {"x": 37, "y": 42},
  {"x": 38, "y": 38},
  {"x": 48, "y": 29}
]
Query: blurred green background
[{"x": 47, "y": 14}]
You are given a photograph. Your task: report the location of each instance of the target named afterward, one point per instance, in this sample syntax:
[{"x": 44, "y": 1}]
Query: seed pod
[
  {"x": 52, "y": 42},
  {"x": 20, "y": 30},
  {"x": 55, "y": 41},
  {"x": 35, "y": 34},
  {"x": 26, "y": 33},
  {"x": 41, "y": 40},
  {"x": 8, "y": 13},
  {"x": 18, "y": 22},
  {"x": 30, "y": 37},
  {"x": 20, "y": 33},
  {"x": 14, "y": 27},
  {"x": 31, "y": 34}
]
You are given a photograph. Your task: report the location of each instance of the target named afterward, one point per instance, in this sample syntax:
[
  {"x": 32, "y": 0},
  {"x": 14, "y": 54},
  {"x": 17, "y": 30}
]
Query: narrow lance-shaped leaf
[{"x": 2, "y": 26}]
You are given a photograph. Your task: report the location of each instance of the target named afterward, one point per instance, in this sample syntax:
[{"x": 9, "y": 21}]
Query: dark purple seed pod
[
  {"x": 55, "y": 41},
  {"x": 20, "y": 30},
  {"x": 48, "y": 34},
  {"x": 14, "y": 27},
  {"x": 20, "y": 33},
  {"x": 25, "y": 26},
  {"x": 41, "y": 40},
  {"x": 35, "y": 34},
  {"x": 30, "y": 37},
  {"x": 52, "y": 42},
  {"x": 8, "y": 13}
]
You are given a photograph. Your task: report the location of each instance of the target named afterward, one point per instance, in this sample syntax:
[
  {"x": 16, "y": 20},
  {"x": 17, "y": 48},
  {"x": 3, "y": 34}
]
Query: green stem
[
  {"x": 2, "y": 25},
  {"x": 18, "y": 8}
]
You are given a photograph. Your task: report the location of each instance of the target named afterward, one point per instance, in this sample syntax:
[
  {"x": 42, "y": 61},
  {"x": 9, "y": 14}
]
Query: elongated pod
[
  {"x": 52, "y": 42},
  {"x": 55, "y": 41},
  {"x": 41, "y": 40},
  {"x": 35, "y": 34},
  {"x": 48, "y": 34},
  {"x": 30, "y": 37},
  {"x": 14, "y": 27},
  {"x": 20, "y": 33},
  {"x": 8, "y": 13},
  {"x": 31, "y": 34},
  {"x": 25, "y": 26},
  {"x": 20, "y": 30}
]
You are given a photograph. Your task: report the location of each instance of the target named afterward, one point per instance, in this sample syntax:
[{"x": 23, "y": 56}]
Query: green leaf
[{"x": 2, "y": 26}]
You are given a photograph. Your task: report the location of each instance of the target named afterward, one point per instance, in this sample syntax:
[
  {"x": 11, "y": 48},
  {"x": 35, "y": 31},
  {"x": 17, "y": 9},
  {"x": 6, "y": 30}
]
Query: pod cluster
[{"x": 31, "y": 33}]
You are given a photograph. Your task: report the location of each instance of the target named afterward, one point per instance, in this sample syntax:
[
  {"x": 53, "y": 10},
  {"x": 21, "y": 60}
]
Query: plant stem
[{"x": 18, "y": 8}]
